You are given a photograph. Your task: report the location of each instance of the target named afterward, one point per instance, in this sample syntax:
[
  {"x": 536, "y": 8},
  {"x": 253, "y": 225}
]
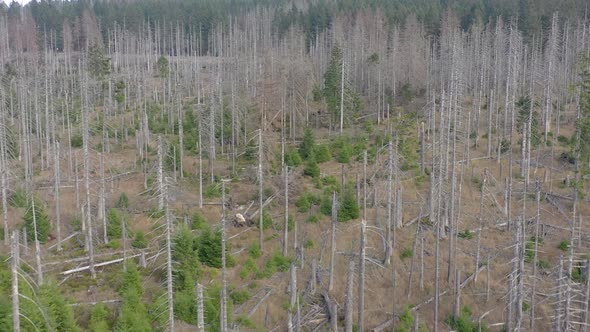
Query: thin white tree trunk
[{"x": 15, "y": 297}]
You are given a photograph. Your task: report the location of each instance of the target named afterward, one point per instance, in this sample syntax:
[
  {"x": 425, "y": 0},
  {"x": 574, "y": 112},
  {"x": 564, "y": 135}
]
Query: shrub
[
  {"x": 212, "y": 190},
  {"x": 19, "y": 199},
  {"x": 267, "y": 221},
  {"x": 114, "y": 223},
  {"x": 76, "y": 141},
  {"x": 311, "y": 168},
  {"x": 277, "y": 262},
  {"x": 322, "y": 154},
  {"x": 313, "y": 219},
  {"x": 308, "y": 244},
  {"x": 292, "y": 158},
  {"x": 254, "y": 250},
  {"x": 248, "y": 269},
  {"x": 543, "y": 264},
  {"x": 240, "y": 296},
  {"x": 139, "y": 241},
  {"x": 407, "y": 253},
  {"x": 466, "y": 234},
  {"x": 564, "y": 245},
  {"x": 122, "y": 202},
  {"x": 305, "y": 201},
  {"x": 464, "y": 323},
  {"x": 198, "y": 220},
  {"x": 406, "y": 321}
]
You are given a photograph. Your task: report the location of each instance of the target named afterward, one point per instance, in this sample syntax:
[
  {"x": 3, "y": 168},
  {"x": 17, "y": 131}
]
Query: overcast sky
[{"x": 19, "y": 1}]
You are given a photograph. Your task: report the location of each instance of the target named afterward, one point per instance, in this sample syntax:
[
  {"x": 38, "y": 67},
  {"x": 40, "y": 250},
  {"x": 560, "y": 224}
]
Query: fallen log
[
  {"x": 253, "y": 310},
  {"x": 86, "y": 267}
]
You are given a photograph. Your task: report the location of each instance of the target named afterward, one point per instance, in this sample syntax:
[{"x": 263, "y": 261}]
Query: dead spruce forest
[{"x": 305, "y": 165}]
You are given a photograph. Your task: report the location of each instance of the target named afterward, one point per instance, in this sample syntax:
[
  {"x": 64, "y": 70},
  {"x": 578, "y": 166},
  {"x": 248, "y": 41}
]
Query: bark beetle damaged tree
[{"x": 293, "y": 166}]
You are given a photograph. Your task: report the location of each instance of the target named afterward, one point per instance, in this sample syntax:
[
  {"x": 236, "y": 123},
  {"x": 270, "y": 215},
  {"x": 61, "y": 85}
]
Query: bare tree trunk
[
  {"x": 480, "y": 219},
  {"x": 260, "y": 191},
  {"x": 584, "y": 325},
  {"x": 535, "y": 257},
  {"x": 57, "y": 180},
  {"x": 37, "y": 245},
  {"x": 286, "y": 226},
  {"x": 200, "y": 309},
  {"x": 200, "y": 167},
  {"x": 342, "y": 97},
  {"x": 160, "y": 170},
  {"x": 558, "y": 307},
  {"x": 414, "y": 247},
  {"x": 437, "y": 275},
  {"x": 349, "y": 289},
  {"x": 15, "y": 297},
  {"x": 361, "y": 286},
  {"x": 169, "y": 280},
  {"x": 223, "y": 313},
  {"x": 457, "y": 303},
  {"x": 293, "y": 292},
  {"x": 333, "y": 241}
]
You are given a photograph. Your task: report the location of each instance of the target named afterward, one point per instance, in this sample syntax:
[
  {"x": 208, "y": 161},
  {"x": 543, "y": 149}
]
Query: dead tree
[
  {"x": 535, "y": 256},
  {"x": 56, "y": 175},
  {"x": 223, "y": 313},
  {"x": 200, "y": 309},
  {"x": 388, "y": 240},
  {"x": 361, "y": 285},
  {"x": 333, "y": 241},
  {"x": 349, "y": 289},
  {"x": 37, "y": 245},
  {"x": 260, "y": 191},
  {"x": 15, "y": 297},
  {"x": 286, "y": 226}
]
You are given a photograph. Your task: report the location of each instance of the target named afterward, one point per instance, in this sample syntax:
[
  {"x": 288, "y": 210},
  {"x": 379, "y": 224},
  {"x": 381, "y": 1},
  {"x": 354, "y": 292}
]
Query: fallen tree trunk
[{"x": 83, "y": 268}]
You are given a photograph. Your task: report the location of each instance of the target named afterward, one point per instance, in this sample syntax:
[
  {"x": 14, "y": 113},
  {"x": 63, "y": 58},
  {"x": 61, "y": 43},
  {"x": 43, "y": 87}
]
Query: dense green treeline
[{"x": 202, "y": 16}]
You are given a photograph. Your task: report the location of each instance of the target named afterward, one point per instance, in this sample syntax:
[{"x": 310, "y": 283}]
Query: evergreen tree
[
  {"x": 42, "y": 219},
  {"x": 134, "y": 316},
  {"x": 306, "y": 148},
  {"x": 99, "y": 319},
  {"x": 524, "y": 110},
  {"x": 349, "y": 208},
  {"x": 60, "y": 314}
]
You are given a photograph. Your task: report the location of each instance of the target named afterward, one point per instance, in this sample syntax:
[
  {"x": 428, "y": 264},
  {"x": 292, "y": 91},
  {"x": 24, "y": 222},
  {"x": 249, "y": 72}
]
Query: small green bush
[
  {"x": 543, "y": 264},
  {"x": 240, "y": 296},
  {"x": 19, "y": 199},
  {"x": 198, "y": 220},
  {"x": 248, "y": 269},
  {"x": 322, "y": 154},
  {"x": 464, "y": 323},
  {"x": 311, "y": 168},
  {"x": 308, "y": 244},
  {"x": 313, "y": 219},
  {"x": 122, "y": 202},
  {"x": 76, "y": 141},
  {"x": 292, "y": 158},
  {"x": 139, "y": 241},
  {"x": 407, "y": 253},
  {"x": 564, "y": 245},
  {"x": 212, "y": 190},
  {"x": 466, "y": 234},
  {"x": 114, "y": 220},
  {"x": 254, "y": 250}
]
